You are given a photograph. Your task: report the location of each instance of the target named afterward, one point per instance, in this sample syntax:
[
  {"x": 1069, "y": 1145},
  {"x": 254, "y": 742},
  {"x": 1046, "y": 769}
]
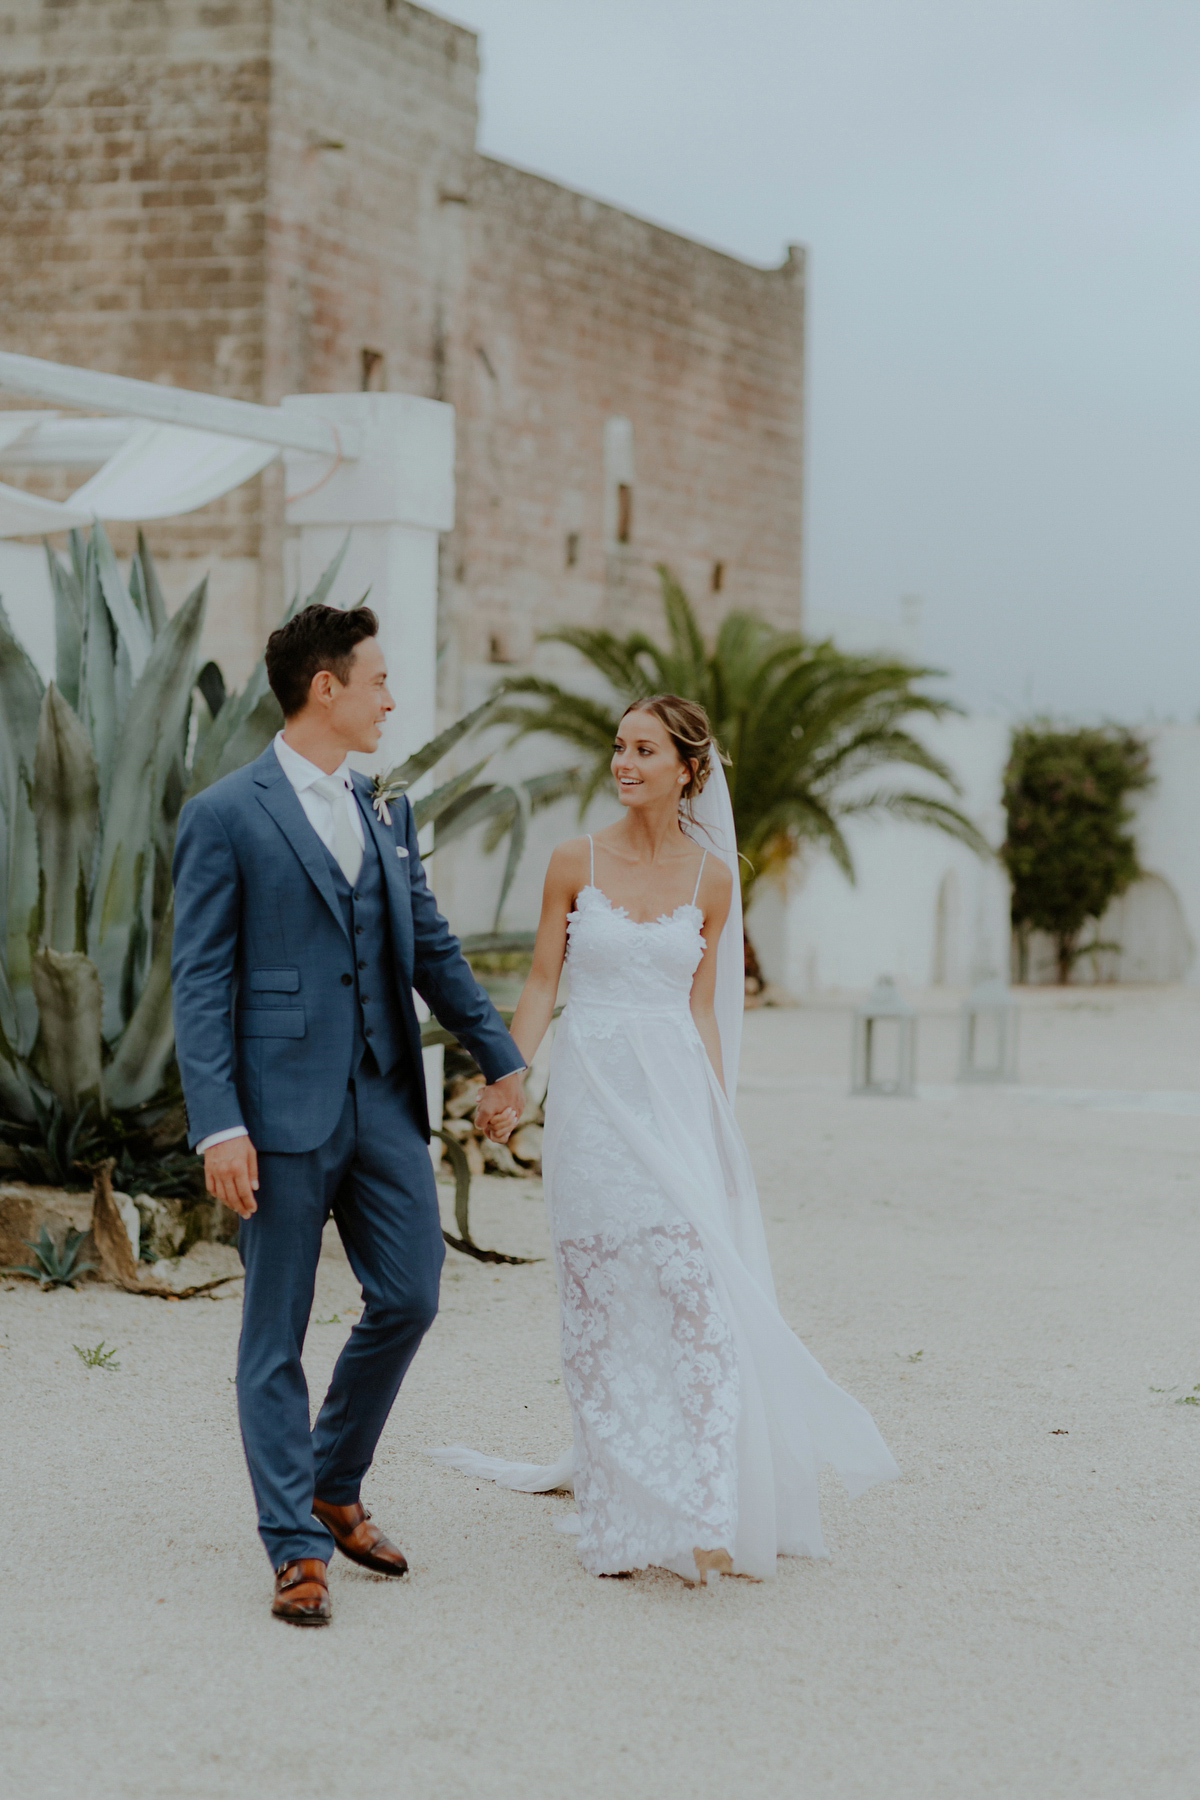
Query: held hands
[
  {"x": 501, "y": 1105},
  {"x": 231, "y": 1175}
]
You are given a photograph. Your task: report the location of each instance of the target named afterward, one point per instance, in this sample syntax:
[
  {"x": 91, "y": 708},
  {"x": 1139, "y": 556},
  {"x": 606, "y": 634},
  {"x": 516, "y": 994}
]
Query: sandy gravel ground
[{"x": 1009, "y": 1281}]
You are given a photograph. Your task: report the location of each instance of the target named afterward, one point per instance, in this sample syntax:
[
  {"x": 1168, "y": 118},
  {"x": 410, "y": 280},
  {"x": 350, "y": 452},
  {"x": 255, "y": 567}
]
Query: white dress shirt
[{"x": 318, "y": 810}]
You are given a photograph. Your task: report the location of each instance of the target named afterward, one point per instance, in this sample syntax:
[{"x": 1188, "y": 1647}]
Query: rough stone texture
[
  {"x": 133, "y": 213},
  {"x": 575, "y": 313},
  {"x": 245, "y": 197},
  {"x": 25, "y": 1209},
  {"x": 171, "y": 1227}
]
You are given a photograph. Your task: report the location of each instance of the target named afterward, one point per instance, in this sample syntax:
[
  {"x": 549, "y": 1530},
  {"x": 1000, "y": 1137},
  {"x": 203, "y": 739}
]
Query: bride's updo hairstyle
[{"x": 686, "y": 724}]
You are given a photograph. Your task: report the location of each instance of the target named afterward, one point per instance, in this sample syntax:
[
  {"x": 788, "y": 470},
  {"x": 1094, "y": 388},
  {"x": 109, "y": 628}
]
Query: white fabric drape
[
  {"x": 163, "y": 470},
  {"x": 713, "y": 813}
]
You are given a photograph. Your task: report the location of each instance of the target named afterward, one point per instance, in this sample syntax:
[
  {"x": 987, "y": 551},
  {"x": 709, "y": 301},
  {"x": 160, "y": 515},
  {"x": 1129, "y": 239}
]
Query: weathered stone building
[{"x": 262, "y": 197}]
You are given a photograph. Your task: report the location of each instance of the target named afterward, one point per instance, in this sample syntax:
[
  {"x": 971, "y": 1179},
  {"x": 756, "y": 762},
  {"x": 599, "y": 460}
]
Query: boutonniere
[{"x": 385, "y": 788}]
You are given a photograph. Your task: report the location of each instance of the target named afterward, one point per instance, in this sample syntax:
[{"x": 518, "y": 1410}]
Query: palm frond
[
  {"x": 803, "y": 724},
  {"x": 924, "y": 809}
]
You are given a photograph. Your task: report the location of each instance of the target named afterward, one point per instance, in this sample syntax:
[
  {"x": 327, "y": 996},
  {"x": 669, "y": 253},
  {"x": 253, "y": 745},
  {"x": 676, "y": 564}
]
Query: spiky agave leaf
[
  {"x": 120, "y": 923},
  {"x": 66, "y": 806},
  {"x": 20, "y": 702},
  {"x": 20, "y": 706},
  {"x": 68, "y": 627},
  {"x": 140, "y": 1060},
  {"x": 429, "y": 808},
  {"x": 70, "y": 1004},
  {"x": 55, "y": 1265},
  {"x": 98, "y": 673},
  {"x": 134, "y": 630},
  {"x": 144, "y": 575},
  {"x": 20, "y": 1023},
  {"x": 404, "y": 774}
]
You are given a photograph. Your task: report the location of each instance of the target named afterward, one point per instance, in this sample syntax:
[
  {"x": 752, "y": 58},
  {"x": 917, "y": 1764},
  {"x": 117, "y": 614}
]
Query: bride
[{"x": 700, "y": 1420}]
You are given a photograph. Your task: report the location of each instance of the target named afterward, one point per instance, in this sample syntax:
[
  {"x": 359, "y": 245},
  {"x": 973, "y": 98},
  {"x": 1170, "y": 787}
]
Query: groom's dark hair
[{"x": 320, "y": 637}]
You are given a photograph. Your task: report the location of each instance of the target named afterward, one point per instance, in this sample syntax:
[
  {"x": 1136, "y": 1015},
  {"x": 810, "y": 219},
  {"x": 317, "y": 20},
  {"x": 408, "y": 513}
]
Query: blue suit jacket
[{"x": 264, "y": 1022}]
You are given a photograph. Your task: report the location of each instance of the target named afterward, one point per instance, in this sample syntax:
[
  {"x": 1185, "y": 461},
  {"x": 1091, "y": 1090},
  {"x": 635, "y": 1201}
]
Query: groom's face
[{"x": 358, "y": 707}]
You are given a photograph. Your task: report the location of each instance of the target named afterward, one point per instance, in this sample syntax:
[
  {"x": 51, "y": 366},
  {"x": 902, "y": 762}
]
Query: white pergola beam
[{"x": 91, "y": 391}]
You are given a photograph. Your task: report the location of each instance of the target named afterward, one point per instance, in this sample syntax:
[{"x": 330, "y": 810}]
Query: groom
[{"x": 302, "y": 925}]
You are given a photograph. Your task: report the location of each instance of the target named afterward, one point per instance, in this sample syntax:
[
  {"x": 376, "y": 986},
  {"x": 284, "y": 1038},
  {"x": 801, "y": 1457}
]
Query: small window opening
[
  {"x": 572, "y": 549},
  {"x": 497, "y": 649},
  {"x": 373, "y": 370},
  {"x": 624, "y": 512},
  {"x": 718, "y": 577}
]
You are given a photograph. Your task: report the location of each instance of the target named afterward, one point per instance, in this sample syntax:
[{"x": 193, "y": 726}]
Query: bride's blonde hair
[{"x": 687, "y": 725}]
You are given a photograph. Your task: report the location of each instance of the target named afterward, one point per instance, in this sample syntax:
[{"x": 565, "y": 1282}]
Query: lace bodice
[{"x": 616, "y": 961}]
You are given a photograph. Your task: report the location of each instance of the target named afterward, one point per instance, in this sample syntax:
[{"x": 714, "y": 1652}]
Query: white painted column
[{"x": 394, "y": 499}]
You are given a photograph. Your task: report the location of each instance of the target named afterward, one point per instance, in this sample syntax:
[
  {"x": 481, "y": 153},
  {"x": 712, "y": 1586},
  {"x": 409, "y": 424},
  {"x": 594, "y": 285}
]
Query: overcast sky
[{"x": 1000, "y": 202}]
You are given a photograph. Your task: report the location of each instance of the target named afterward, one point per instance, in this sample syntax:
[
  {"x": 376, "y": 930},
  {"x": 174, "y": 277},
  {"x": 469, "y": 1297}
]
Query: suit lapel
[
  {"x": 395, "y": 871},
  {"x": 278, "y": 796}
]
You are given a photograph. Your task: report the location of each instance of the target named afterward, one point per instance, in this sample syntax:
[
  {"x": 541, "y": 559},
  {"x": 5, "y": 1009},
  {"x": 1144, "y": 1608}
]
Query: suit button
[
  {"x": 366, "y": 999},
  {"x": 356, "y": 895},
  {"x": 362, "y": 965},
  {"x": 359, "y": 930},
  {"x": 367, "y": 1031},
  {"x": 346, "y": 980}
]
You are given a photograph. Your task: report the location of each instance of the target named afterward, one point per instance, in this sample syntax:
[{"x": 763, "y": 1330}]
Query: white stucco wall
[{"x": 826, "y": 933}]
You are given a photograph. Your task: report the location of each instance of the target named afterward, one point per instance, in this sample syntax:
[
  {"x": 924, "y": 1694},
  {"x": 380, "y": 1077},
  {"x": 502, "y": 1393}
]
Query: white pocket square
[{"x": 400, "y": 851}]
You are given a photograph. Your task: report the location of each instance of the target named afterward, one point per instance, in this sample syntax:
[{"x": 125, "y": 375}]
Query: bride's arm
[
  {"x": 535, "y": 1009},
  {"x": 716, "y": 892}
]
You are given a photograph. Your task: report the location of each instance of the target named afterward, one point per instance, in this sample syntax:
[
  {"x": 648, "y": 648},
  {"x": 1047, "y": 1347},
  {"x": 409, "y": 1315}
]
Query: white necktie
[{"x": 347, "y": 851}]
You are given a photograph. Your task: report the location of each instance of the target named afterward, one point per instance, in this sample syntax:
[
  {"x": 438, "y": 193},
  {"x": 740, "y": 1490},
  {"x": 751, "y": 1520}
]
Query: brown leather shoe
[
  {"x": 357, "y": 1538},
  {"x": 302, "y": 1593}
]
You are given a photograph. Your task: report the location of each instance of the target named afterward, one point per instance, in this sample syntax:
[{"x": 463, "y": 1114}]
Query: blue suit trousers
[{"x": 373, "y": 1174}]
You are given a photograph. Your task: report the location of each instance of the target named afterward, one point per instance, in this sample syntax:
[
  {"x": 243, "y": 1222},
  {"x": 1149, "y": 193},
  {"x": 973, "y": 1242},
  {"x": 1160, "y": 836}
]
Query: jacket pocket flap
[
  {"x": 278, "y": 981},
  {"x": 281, "y": 1021}
]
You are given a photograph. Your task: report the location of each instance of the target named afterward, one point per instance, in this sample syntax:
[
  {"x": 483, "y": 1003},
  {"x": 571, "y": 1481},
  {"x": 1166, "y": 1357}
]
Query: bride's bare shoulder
[
  {"x": 570, "y": 862},
  {"x": 716, "y": 885}
]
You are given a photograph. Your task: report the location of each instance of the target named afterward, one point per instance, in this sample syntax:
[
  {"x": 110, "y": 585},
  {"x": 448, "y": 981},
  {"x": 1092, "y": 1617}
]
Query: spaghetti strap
[
  {"x": 592, "y": 849},
  {"x": 699, "y": 877}
]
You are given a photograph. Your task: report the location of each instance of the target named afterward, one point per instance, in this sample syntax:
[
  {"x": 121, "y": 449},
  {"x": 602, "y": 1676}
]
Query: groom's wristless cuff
[{"x": 221, "y": 1137}]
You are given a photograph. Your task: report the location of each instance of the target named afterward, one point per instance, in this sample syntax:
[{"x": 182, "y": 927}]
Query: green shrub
[{"x": 1068, "y": 849}]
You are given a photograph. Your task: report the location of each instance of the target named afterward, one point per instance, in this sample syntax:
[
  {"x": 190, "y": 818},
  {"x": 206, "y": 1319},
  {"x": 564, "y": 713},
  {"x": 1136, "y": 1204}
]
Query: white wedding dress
[{"x": 699, "y": 1417}]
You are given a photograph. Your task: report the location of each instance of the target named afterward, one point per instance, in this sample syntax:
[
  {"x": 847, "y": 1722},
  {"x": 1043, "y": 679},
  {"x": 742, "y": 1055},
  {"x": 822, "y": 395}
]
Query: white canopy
[{"x": 160, "y": 471}]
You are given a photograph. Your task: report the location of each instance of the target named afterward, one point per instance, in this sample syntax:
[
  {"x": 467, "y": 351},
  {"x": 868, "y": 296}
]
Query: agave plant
[
  {"x": 94, "y": 770},
  {"x": 54, "y": 1264},
  {"x": 804, "y": 724}
]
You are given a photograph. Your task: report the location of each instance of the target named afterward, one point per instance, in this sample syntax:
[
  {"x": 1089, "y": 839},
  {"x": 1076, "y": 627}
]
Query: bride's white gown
[{"x": 700, "y": 1418}]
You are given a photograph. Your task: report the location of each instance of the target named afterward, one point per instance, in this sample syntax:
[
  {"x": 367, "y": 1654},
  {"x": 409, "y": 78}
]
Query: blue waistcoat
[{"x": 378, "y": 1025}]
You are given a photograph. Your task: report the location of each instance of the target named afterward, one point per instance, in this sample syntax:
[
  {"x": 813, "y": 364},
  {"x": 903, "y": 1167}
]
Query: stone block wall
[
  {"x": 261, "y": 197},
  {"x": 576, "y": 319}
]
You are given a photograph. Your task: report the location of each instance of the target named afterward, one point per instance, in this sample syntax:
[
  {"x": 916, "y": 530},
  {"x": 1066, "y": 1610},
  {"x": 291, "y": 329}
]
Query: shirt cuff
[
  {"x": 519, "y": 1070},
  {"x": 221, "y": 1137}
]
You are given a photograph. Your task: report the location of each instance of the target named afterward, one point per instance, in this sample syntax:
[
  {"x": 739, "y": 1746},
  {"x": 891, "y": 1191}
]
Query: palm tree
[{"x": 805, "y": 726}]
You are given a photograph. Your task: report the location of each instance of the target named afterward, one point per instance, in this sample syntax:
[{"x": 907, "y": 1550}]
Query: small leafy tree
[{"x": 1068, "y": 849}]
